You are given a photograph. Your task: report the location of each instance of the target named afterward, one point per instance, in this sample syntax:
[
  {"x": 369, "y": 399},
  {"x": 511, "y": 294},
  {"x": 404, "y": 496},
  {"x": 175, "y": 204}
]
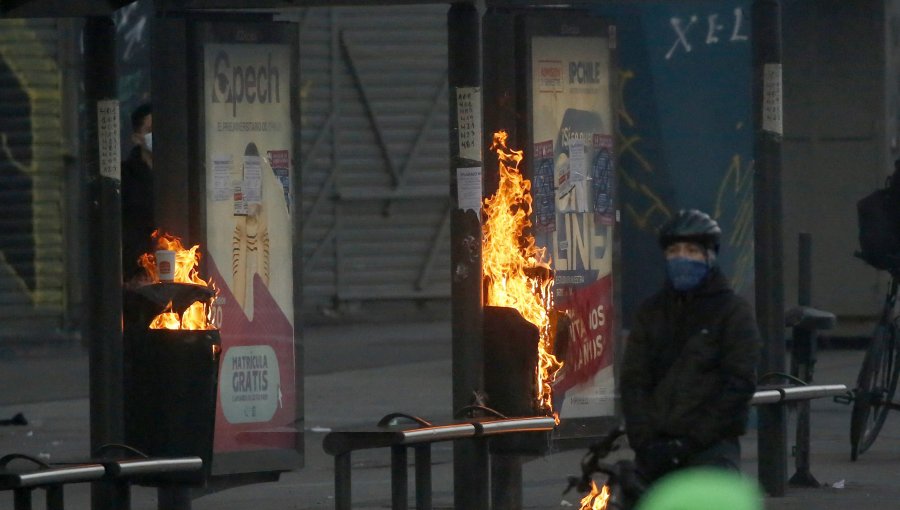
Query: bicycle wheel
[{"x": 875, "y": 389}]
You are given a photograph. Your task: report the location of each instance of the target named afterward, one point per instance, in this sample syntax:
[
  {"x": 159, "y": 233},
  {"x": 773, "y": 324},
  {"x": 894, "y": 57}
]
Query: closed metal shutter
[
  {"x": 374, "y": 155},
  {"x": 31, "y": 181}
]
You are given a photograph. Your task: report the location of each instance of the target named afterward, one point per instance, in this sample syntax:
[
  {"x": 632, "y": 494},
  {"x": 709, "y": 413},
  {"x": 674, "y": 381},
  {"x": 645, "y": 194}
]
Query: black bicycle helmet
[{"x": 692, "y": 226}]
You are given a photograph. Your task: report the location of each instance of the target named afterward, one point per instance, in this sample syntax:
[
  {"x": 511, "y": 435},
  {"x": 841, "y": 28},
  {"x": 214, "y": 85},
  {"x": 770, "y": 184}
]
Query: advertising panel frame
[
  {"x": 538, "y": 32},
  {"x": 275, "y": 445}
]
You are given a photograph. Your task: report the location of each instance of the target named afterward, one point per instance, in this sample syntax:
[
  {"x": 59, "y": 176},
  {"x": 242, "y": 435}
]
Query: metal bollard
[{"x": 805, "y": 321}]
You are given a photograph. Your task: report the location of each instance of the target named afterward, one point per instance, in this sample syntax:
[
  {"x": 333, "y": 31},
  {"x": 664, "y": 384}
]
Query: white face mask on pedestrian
[{"x": 148, "y": 141}]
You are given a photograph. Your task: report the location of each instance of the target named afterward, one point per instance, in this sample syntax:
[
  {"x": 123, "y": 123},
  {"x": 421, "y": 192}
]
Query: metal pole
[
  {"x": 174, "y": 108},
  {"x": 766, "y": 29},
  {"x": 342, "y": 488},
  {"x": 22, "y": 499},
  {"x": 470, "y": 463},
  {"x": 104, "y": 276},
  {"x": 54, "y": 497},
  {"x": 173, "y": 497},
  {"x": 804, "y": 269},
  {"x": 505, "y": 53},
  {"x": 399, "y": 478},
  {"x": 801, "y": 350},
  {"x": 802, "y": 361},
  {"x": 423, "y": 477},
  {"x": 506, "y": 482}
]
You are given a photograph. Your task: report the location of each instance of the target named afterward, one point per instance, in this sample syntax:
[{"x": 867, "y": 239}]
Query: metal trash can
[
  {"x": 170, "y": 376},
  {"x": 510, "y": 364}
]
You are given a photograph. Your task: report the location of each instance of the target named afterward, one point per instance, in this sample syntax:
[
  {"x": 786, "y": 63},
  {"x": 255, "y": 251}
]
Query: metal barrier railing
[
  {"x": 418, "y": 436},
  {"x": 495, "y": 426},
  {"x": 796, "y": 393},
  {"x": 800, "y": 395},
  {"x": 171, "y": 476},
  {"x": 47, "y": 477}
]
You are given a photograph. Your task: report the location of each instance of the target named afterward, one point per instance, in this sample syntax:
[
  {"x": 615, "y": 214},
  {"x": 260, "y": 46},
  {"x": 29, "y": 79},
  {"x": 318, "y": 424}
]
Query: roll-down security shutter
[
  {"x": 374, "y": 154},
  {"x": 31, "y": 181}
]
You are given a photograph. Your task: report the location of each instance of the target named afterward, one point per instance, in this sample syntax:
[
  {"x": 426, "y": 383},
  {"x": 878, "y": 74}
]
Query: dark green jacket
[{"x": 690, "y": 365}]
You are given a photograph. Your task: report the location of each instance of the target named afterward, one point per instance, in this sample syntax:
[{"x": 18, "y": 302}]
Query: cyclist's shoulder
[{"x": 883, "y": 261}]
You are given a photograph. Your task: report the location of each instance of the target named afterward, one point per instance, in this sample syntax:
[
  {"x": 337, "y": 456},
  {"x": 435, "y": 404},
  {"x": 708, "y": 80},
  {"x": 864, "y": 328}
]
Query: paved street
[{"x": 356, "y": 374}]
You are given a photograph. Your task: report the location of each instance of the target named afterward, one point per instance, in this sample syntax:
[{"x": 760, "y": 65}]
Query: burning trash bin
[
  {"x": 519, "y": 320},
  {"x": 171, "y": 353},
  {"x": 519, "y": 331}
]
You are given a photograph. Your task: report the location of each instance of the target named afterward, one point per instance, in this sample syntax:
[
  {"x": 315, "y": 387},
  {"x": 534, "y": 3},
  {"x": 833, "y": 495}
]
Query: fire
[
  {"x": 516, "y": 271},
  {"x": 597, "y": 499},
  {"x": 186, "y": 261},
  {"x": 197, "y": 315}
]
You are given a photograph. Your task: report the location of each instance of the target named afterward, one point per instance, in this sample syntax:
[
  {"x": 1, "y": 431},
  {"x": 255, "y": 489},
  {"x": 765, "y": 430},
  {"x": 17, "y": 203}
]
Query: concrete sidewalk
[{"x": 58, "y": 430}]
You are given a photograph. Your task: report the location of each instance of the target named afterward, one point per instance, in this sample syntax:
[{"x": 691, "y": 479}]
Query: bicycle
[
  {"x": 876, "y": 384},
  {"x": 623, "y": 485}
]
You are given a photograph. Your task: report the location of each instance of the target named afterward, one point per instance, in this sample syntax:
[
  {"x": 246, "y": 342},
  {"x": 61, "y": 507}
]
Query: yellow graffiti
[
  {"x": 627, "y": 145},
  {"x": 655, "y": 211},
  {"x": 736, "y": 188},
  {"x": 37, "y": 71},
  {"x": 625, "y": 75},
  {"x": 4, "y": 147},
  {"x": 303, "y": 95}
]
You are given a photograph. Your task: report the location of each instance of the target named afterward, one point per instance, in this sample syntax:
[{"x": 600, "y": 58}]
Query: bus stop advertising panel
[
  {"x": 248, "y": 152},
  {"x": 571, "y": 132}
]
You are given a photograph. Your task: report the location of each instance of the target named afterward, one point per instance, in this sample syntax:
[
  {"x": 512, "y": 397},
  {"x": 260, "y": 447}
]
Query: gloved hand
[{"x": 660, "y": 456}]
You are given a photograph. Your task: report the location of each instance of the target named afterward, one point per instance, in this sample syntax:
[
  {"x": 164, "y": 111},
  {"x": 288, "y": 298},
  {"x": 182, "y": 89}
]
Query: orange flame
[
  {"x": 168, "y": 320},
  {"x": 517, "y": 274},
  {"x": 597, "y": 499},
  {"x": 198, "y": 314}
]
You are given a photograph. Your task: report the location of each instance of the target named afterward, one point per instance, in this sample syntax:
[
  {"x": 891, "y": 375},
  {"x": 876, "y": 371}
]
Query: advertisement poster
[
  {"x": 574, "y": 209},
  {"x": 248, "y": 153}
]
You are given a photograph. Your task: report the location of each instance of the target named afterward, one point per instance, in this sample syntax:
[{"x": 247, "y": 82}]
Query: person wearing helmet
[{"x": 690, "y": 359}]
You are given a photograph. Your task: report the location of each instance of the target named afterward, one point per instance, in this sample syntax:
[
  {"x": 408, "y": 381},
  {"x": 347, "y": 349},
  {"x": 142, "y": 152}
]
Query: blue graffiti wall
[{"x": 685, "y": 132}]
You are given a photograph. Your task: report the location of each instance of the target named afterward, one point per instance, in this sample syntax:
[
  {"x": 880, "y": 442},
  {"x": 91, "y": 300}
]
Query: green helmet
[
  {"x": 692, "y": 226},
  {"x": 702, "y": 488}
]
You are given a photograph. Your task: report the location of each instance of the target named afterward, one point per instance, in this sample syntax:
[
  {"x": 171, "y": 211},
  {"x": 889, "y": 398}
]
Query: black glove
[{"x": 660, "y": 456}]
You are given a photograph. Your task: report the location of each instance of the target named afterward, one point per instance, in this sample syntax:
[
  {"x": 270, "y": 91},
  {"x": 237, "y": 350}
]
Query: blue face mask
[{"x": 686, "y": 274}]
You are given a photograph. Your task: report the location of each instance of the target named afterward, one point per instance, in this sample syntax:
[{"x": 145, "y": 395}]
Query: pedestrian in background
[
  {"x": 138, "y": 215},
  {"x": 690, "y": 360}
]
